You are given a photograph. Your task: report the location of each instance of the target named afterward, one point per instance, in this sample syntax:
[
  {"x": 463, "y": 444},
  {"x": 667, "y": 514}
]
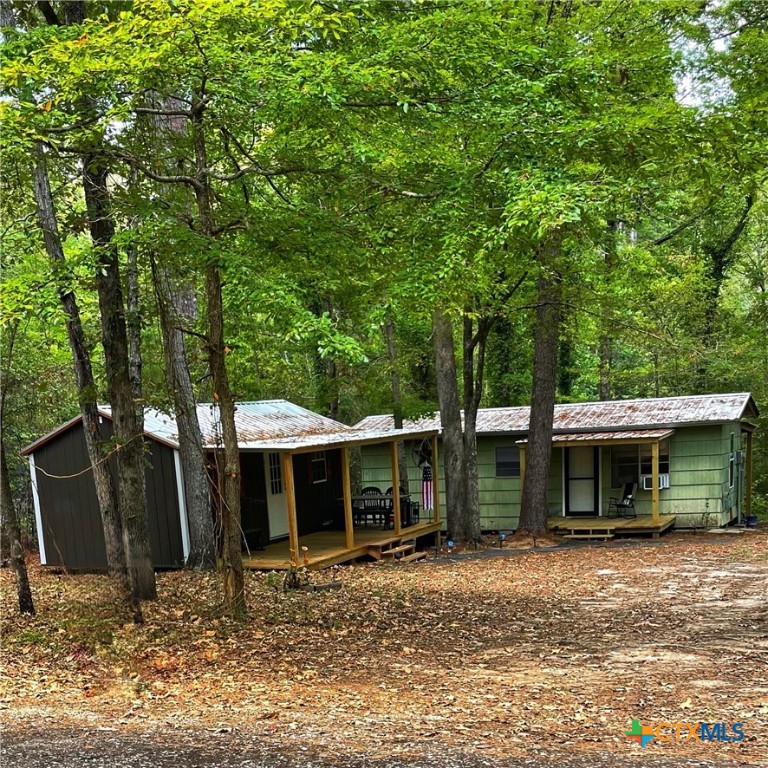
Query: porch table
[{"x": 378, "y": 507}]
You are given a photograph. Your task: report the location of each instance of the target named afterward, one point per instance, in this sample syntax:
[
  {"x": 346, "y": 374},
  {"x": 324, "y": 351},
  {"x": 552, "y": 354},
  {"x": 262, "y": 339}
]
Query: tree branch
[
  {"x": 164, "y": 112},
  {"x": 259, "y": 171},
  {"x": 158, "y": 177},
  {"x": 678, "y": 229}
]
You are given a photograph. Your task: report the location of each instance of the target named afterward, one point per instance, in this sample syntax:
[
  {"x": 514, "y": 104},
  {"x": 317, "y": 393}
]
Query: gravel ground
[{"x": 83, "y": 748}]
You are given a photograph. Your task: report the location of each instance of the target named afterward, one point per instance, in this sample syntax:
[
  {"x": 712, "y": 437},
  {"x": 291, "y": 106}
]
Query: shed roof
[
  {"x": 265, "y": 425},
  {"x": 610, "y": 415}
]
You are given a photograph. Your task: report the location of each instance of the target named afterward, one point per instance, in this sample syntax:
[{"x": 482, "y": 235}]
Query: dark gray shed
[{"x": 70, "y": 532}]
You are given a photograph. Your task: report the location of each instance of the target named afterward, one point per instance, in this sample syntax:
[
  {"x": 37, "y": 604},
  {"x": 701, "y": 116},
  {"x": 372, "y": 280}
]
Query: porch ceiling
[{"x": 608, "y": 438}]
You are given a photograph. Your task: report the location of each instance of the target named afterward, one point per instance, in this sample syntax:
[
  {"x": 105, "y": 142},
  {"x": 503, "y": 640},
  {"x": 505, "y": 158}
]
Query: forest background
[{"x": 377, "y": 207}]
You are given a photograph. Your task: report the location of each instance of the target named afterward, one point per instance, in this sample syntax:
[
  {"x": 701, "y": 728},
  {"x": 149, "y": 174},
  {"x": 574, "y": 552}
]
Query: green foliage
[{"x": 369, "y": 160}]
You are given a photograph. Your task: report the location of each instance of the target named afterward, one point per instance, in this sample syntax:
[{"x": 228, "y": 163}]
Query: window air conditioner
[{"x": 647, "y": 482}]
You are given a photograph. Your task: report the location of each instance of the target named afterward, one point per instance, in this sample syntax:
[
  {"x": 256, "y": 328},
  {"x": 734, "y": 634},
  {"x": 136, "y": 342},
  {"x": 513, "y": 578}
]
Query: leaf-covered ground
[{"x": 493, "y": 657}]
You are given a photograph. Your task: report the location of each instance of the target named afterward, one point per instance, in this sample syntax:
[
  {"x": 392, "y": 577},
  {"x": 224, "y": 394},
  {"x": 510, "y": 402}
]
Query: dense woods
[{"x": 373, "y": 207}]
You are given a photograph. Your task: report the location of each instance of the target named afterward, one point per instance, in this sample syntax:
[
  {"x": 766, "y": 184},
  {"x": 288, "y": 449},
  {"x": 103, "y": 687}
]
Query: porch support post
[
  {"x": 290, "y": 501},
  {"x": 349, "y": 528},
  {"x": 748, "y": 477},
  {"x": 435, "y": 481},
  {"x": 395, "y": 487},
  {"x": 522, "y": 465},
  {"x": 655, "y": 481}
]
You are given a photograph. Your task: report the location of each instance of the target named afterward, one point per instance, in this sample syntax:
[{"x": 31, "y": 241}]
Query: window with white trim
[
  {"x": 732, "y": 461},
  {"x": 630, "y": 462},
  {"x": 319, "y": 468},
  {"x": 646, "y": 458},
  {"x": 275, "y": 474}
]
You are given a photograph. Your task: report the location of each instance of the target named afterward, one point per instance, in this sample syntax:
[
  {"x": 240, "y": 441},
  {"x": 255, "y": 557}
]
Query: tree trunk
[
  {"x": 130, "y": 456},
  {"x": 192, "y": 455},
  {"x": 86, "y": 387},
  {"x": 606, "y": 343},
  {"x": 130, "y": 467},
  {"x": 533, "y": 507},
  {"x": 397, "y": 400},
  {"x": 133, "y": 325},
  {"x": 450, "y": 416},
  {"x": 10, "y": 529},
  {"x": 234, "y": 580},
  {"x": 473, "y": 392},
  {"x": 12, "y": 532}
]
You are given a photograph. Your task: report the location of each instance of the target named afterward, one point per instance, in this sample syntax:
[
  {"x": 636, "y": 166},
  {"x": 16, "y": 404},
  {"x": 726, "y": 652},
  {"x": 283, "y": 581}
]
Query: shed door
[
  {"x": 581, "y": 469},
  {"x": 276, "y": 504}
]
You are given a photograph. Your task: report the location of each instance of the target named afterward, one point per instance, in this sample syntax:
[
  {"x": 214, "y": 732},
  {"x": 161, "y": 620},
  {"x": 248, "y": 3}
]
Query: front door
[
  {"x": 276, "y": 504},
  {"x": 582, "y": 481}
]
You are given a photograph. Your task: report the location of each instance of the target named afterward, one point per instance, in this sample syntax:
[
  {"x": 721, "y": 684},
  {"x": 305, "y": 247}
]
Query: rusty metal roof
[
  {"x": 607, "y": 415},
  {"x": 594, "y": 438},
  {"x": 265, "y": 425},
  {"x": 261, "y": 420}
]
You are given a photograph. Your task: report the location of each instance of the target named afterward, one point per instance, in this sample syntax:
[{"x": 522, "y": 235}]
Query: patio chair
[
  {"x": 624, "y": 506},
  {"x": 408, "y": 509},
  {"x": 372, "y": 508}
]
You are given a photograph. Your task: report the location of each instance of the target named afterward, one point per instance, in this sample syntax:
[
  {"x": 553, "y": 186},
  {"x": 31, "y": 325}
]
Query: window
[
  {"x": 646, "y": 459},
  {"x": 732, "y": 461},
  {"x": 275, "y": 474},
  {"x": 319, "y": 470},
  {"x": 629, "y": 462},
  {"x": 624, "y": 465},
  {"x": 508, "y": 461}
]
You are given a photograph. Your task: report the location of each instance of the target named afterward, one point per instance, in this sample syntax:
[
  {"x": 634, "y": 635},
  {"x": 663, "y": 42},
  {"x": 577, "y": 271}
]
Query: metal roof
[
  {"x": 608, "y": 415},
  {"x": 276, "y": 425}
]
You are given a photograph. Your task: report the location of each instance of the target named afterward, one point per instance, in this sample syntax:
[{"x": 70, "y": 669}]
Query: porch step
[
  {"x": 404, "y": 547},
  {"x": 590, "y": 535},
  {"x": 412, "y": 557}
]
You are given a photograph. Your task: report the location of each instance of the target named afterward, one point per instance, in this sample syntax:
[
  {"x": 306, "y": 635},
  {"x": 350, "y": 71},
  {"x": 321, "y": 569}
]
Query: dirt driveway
[{"x": 534, "y": 659}]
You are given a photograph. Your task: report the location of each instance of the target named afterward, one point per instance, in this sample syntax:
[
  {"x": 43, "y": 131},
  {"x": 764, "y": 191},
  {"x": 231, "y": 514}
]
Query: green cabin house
[{"x": 687, "y": 459}]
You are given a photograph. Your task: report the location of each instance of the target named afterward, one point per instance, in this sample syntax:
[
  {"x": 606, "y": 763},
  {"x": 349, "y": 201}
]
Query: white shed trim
[
  {"x": 182, "y": 505},
  {"x": 38, "y": 513}
]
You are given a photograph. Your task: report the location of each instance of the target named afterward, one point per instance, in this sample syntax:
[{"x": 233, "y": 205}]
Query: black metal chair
[
  {"x": 372, "y": 508},
  {"x": 624, "y": 506}
]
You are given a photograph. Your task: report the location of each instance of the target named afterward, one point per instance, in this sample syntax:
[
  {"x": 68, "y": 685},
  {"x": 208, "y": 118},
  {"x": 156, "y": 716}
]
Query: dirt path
[
  {"x": 81, "y": 748},
  {"x": 479, "y": 660}
]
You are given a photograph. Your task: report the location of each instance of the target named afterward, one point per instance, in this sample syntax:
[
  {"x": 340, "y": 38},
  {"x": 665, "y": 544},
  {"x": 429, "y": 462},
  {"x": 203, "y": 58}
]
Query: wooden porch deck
[
  {"x": 608, "y": 527},
  {"x": 326, "y": 548}
]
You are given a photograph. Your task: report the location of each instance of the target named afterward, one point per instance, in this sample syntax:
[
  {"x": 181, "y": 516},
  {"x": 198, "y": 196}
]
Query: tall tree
[
  {"x": 9, "y": 525},
  {"x": 533, "y": 504},
  {"x": 173, "y": 316},
  {"x": 86, "y": 386}
]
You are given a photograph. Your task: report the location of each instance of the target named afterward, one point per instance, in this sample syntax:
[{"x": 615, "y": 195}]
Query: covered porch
[
  {"x": 592, "y": 471},
  {"x": 341, "y": 537},
  {"x": 327, "y": 548}
]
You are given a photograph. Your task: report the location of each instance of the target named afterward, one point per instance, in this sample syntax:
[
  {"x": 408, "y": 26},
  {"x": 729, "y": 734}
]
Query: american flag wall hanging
[{"x": 427, "y": 488}]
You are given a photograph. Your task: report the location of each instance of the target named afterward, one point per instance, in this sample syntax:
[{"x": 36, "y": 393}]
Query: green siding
[
  {"x": 499, "y": 496},
  {"x": 698, "y": 478},
  {"x": 377, "y": 470}
]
